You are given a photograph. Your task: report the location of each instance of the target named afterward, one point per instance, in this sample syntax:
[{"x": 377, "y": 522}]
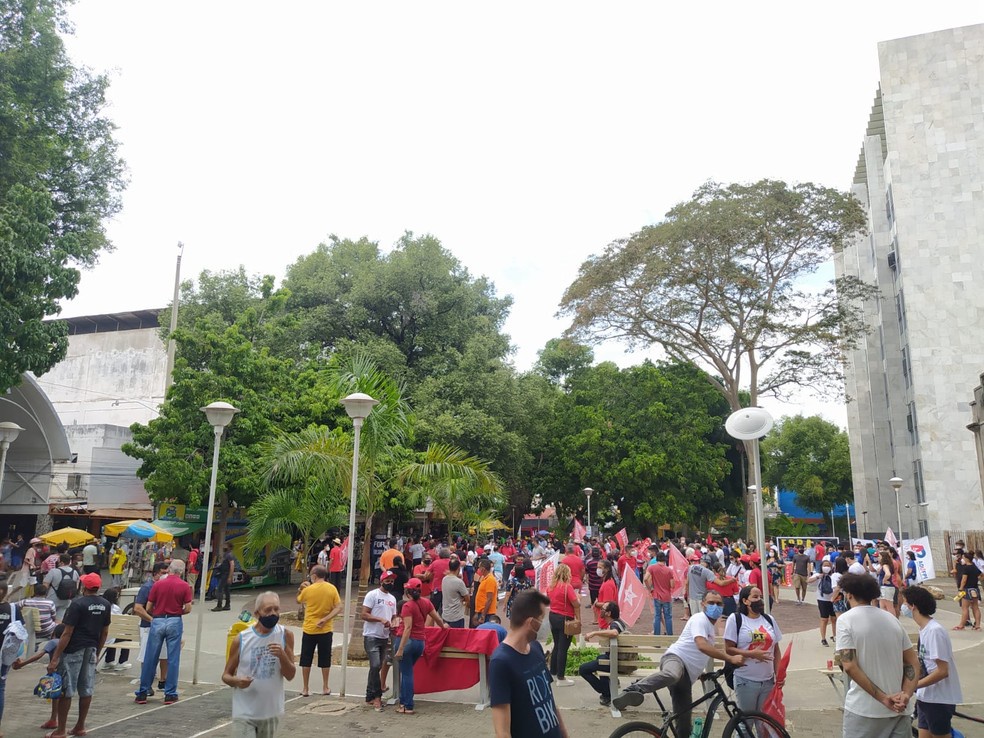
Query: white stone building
[{"x": 921, "y": 176}]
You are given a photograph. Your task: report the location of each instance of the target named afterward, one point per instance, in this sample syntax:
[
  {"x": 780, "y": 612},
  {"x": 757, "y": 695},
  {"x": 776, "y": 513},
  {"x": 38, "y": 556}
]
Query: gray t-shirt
[
  {"x": 699, "y": 576},
  {"x": 452, "y": 592},
  {"x": 801, "y": 563}
]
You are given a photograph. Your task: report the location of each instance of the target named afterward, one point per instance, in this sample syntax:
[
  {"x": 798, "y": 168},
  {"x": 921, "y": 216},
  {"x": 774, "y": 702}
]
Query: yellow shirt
[
  {"x": 118, "y": 562},
  {"x": 489, "y": 588},
  {"x": 318, "y": 599}
]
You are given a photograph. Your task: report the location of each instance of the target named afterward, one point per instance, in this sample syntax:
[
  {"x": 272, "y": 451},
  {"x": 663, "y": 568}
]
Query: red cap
[
  {"x": 91, "y": 581},
  {"x": 414, "y": 583},
  {"x": 386, "y": 576},
  {"x": 755, "y": 557}
]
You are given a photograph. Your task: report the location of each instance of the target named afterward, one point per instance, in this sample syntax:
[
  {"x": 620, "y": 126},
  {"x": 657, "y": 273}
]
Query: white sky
[{"x": 525, "y": 136}]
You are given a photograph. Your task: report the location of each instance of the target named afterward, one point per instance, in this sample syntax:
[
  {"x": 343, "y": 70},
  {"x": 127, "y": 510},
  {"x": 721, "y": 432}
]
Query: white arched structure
[{"x": 27, "y": 479}]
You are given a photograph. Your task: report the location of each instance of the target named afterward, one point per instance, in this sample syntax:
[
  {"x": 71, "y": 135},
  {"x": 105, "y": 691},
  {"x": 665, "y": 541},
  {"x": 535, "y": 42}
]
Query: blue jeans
[
  {"x": 411, "y": 652},
  {"x": 664, "y": 612},
  {"x": 3, "y": 687},
  {"x": 162, "y": 629}
]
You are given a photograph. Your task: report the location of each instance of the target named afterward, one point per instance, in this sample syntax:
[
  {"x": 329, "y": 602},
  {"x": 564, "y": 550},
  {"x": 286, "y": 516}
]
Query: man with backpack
[
  {"x": 825, "y": 605},
  {"x": 63, "y": 584}
]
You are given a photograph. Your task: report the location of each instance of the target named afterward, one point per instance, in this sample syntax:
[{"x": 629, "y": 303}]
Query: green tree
[
  {"x": 60, "y": 178},
  {"x": 811, "y": 457},
  {"x": 724, "y": 282}
]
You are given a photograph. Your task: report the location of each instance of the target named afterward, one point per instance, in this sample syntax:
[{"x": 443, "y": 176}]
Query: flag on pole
[
  {"x": 632, "y": 597},
  {"x": 680, "y": 567},
  {"x": 579, "y": 531},
  {"x": 890, "y": 539},
  {"x": 623, "y": 538}
]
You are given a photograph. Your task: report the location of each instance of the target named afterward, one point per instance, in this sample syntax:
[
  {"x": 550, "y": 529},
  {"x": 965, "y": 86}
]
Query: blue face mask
[
  {"x": 714, "y": 611},
  {"x": 906, "y": 610}
]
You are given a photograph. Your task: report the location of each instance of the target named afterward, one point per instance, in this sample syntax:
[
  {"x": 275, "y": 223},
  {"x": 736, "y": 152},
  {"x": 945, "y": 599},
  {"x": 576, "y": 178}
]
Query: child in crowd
[{"x": 47, "y": 650}]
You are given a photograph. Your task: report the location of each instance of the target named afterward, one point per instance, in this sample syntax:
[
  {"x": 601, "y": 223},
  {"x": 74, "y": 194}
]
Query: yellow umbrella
[
  {"x": 71, "y": 536},
  {"x": 490, "y": 525},
  {"x": 137, "y": 529}
]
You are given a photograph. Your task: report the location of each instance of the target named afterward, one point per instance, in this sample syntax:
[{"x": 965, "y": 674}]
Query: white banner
[
  {"x": 924, "y": 557},
  {"x": 544, "y": 569}
]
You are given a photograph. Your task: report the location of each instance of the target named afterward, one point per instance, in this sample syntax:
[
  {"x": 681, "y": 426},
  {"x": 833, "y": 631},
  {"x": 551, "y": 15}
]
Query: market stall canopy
[
  {"x": 178, "y": 528},
  {"x": 71, "y": 536},
  {"x": 137, "y": 529}
]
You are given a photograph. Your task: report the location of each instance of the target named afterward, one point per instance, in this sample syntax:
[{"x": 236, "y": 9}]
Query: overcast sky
[{"x": 525, "y": 136}]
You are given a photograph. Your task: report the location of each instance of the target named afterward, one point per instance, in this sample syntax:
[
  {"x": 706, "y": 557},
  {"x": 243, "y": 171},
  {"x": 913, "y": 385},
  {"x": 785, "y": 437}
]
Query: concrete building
[{"x": 921, "y": 176}]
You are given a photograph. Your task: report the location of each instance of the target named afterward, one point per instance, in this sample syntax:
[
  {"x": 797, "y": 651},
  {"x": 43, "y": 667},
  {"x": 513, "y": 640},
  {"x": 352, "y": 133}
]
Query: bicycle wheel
[
  {"x": 637, "y": 728},
  {"x": 754, "y": 725}
]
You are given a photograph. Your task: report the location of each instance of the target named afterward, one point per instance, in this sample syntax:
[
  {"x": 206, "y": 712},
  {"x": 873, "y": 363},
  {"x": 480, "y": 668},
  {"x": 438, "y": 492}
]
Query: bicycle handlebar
[{"x": 715, "y": 675}]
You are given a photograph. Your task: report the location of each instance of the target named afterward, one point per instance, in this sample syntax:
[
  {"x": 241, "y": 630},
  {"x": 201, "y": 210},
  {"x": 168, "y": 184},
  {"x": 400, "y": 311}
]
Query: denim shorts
[
  {"x": 935, "y": 717},
  {"x": 78, "y": 672}
]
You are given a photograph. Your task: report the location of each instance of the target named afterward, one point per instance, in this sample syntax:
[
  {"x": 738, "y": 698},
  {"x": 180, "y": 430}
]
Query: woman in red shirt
[
  {"x": 565, "y": 605},
  {"x": 608, "y": 591},
  {"x": 415, "y": 613}
]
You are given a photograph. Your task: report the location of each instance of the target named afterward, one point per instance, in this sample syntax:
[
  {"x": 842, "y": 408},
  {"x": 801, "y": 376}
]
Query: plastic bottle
[{"x": 697, "y": 728}]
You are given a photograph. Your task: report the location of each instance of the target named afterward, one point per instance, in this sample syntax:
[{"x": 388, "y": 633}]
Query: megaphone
[{"x": 748, "y": 423}]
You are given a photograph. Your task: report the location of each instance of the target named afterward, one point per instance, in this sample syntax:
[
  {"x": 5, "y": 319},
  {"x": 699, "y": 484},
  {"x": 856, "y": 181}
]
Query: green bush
[{"x": 578, "y": 656}]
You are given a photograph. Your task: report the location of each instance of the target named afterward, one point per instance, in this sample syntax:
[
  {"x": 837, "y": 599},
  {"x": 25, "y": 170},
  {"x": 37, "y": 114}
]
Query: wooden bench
[
  {"x": 651, "y": 646},
  {"x": 451, "y": 653},
  {"x": 840, "y": 681},
  {"x": 126, "y": 630}
]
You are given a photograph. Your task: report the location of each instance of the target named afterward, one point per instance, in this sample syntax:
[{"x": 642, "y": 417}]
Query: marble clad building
[{"x": 921, "y": 176}]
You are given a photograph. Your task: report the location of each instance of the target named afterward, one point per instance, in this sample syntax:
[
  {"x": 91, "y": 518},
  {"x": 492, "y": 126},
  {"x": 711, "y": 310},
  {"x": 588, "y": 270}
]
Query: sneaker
[
  {"x": 141, "y": 698},
  {"x": 605, "y": 701},
  {"x": 150, "y": 692},
  {"x": 824, "y": 642},
  {"x": 107, "y": 666},
  {"x": 628, "y": 699},
  {"x": 123, "y": 667},
  {"x": 160, "y": 684},
  {"x": 170, "y": 699},
  {"x": 219, "y": 609},
  {"x": 565, "y": 682}
]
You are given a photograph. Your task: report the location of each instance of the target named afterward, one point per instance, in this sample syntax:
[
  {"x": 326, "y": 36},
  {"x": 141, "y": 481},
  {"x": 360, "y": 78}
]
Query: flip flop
[
  {"x": 305, "y": 694},
  {"x": 78, "y": 733},
  {"x": 958, "y": 627},
  {"x": 49, "y": 724},
  {"x": 326, "y": 694},
  {"x": 404, "y": 711}
]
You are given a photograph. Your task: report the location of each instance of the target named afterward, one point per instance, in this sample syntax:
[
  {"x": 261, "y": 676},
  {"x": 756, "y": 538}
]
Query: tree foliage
[
  {"x": 811, "y": 457},
  {"x": 60, "y": 178}
]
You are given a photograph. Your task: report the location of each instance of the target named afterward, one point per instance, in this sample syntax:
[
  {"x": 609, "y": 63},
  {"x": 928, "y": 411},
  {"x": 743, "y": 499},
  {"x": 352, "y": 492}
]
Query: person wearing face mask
[
  {"x": 519, "y": 684},
  {"x": 683, "y": 663},
  {"x": 415, "y": 613},
  {"x": 753, "y": 634},
  {"x": 938, "y": 691},
  {"x": 259, "y": 661},
  {"x": 608, "y": 592},
  {"x": 378, "y": 616},
  {"x": 828, "y": 579}
]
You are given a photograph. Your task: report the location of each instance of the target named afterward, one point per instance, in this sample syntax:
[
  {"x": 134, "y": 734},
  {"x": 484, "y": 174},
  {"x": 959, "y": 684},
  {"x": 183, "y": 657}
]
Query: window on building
[
  {"x": 900, "y": 312},
  {"x": 889, "y": 206},
  {"x": 912, "y": 424},
  {"x": 923, "y": 528},
  {"x": 905, "y": 367},
  {"x": 917, "y": 478},
  {"x": 881, "y": 342}
]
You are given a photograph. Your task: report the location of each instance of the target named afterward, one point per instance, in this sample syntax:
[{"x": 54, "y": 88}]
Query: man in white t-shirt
[
  {"x": 880, "y": 661},
  {"x": 683, "y": 663},
  {"x": 853, "y": 565},
  {"x": 378, "y": 613}
]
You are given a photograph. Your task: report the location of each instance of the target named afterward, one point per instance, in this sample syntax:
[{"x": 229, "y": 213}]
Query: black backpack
[
  {"x": 68, "y": 585},
  {"x": 826, "y": 584},
  {"x": 729, "y": 669}
]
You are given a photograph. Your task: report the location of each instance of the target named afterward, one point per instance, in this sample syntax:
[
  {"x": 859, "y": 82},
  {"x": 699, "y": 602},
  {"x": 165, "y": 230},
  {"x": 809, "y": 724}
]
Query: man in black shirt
[
  {"x": 86, "y": 627},
  {"x": 227, "y": 568}
]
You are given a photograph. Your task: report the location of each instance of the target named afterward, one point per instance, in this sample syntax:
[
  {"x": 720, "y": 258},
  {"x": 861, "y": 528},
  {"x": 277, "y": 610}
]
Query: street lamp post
[
  {"x": 896, "y": 483},
  {"x": 8, "y": 434},
  {"x": 864, "y": 517},
  {"x": 358, "y": 406},
  {"x": 587, "y": 493},
  {"x": 750, "y": 424},
  {"x": 219, "y": 415}
]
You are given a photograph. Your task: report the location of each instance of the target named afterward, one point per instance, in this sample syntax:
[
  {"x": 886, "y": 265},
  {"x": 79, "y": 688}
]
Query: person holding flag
[{"x": 608, "y": 592}]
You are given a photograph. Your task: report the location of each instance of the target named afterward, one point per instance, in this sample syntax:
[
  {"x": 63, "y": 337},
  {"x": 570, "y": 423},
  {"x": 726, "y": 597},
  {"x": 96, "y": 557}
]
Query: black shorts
[
  {"x": 826, "y": 608},
  {"x": 935, "y": 717},
  {"x": 309, "y": 641}
]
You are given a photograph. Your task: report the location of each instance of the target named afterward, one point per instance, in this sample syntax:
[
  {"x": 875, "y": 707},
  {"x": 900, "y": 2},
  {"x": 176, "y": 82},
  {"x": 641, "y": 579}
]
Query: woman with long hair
[
  {"x": 416, "y": 612},
  {"x": 886, "y": 575},
  {"x": 520, "y": 578},
  {"x": 753, "y": 634},
  {"x": 565, "y": 606},
  {"x": 608, "y": 592}
]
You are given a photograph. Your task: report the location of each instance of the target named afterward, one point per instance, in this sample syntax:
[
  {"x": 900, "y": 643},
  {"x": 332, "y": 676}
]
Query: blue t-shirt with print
[
  {"x": 143, "y": 596},
  {"x": 522, "y": 681}
]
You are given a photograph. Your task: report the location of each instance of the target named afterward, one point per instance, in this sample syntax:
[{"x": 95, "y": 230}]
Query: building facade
[{"x": 921, "y": 176}]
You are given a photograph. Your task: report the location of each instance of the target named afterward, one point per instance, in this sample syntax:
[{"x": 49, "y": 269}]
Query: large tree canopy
[
  {"x": 724, "y": 281},
  {"x": 60, "y": 178}
]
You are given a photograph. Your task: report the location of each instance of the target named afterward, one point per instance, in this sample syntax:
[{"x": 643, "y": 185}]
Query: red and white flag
[
  {"x": 623, "y": 538},
  {"x": 345, "y": 545},
  {"x": 632, "y": 597},
  {"x": 579, "y": 531},
  {"x": 680, "y": 568},
  {"x": 890, "y": 539}
]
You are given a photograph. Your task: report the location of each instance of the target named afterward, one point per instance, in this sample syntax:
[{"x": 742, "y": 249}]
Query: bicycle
[{"x": 740, "y": 724}]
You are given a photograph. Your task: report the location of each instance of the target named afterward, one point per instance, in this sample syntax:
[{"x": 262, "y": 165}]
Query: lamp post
[
  {"x": 847, "y": 514},
  {"x": 358, "y": 406},
  {"x": 587, "y": 493},
  {"x": 864, "y": 517},
  {"x": 896, "y": 483},
  {"x": 8, "y": 434},
  {"x": 219, "y": 415},
  {"x": 750, "y": 424}
]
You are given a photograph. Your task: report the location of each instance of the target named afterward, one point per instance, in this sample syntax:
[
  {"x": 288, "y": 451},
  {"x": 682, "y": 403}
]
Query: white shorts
[
  {"x": 144, "y": 633},
  {"x": 887, "y": 593}
]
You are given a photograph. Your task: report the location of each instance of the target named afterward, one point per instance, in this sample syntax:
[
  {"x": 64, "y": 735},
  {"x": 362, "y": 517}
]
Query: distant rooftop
[{"x": 112, "y": 322}]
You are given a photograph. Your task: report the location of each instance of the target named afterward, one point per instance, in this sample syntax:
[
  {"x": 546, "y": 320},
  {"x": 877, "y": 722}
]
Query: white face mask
[
  {"x": 826, "y": 569},
  {"x": 906, "y": 610},
  {"x": 600, "y": 572}
]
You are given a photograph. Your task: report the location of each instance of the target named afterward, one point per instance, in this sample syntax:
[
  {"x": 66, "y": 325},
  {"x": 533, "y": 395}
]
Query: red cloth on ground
[{"x": 435, "y": 674}]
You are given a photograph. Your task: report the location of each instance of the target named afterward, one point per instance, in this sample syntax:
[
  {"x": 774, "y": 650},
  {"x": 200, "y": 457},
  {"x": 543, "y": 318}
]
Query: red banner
[
  {"x": 434, "y": 673},
  {"x": 579, "y": 531},
  {"x": 623, "y": 538},
  {"x": 680, "y": 567},
  {"x": 632, "y": 597}
]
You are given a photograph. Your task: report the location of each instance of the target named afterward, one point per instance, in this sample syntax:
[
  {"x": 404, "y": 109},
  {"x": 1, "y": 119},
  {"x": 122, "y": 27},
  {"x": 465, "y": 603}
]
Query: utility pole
[{"x": 174, "y": 320}]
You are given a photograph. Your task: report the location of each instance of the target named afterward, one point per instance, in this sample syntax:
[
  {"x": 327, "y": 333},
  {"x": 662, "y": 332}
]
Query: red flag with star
[{"x": 632, "y": 597}]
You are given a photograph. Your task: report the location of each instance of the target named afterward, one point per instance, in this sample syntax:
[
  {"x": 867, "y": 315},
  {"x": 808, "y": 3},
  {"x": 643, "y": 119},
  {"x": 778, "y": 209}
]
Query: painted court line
[
  {"x": 227, "y": 723},
  {"x": 155, "y": 709}
]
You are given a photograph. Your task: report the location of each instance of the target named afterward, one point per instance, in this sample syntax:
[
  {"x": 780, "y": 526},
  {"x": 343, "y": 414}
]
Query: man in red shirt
[
  {"x": 169, "y": 601},
  {"x": 336, "y": 563},
  {"x": 423, "y": 572},
  {"x": 438, "y": 569},
  {"x": 660, "y": 581},
  {"x": 627, "y": 559},
  {"x": 576, "y": 564}
]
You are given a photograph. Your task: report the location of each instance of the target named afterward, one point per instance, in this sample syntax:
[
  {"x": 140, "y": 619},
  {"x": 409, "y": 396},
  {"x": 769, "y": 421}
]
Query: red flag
[
  {"x": 579, "y": 531},
  {"x": 345, "y": 545},
  {"x": 679, "y": 566},
  {"x": 623, "y": 538},
  {"x": 774, "y": 706},
  {"x": 632, "y": 597}
]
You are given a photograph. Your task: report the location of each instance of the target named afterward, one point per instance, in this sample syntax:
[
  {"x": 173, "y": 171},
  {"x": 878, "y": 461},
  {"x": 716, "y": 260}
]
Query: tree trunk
[{"x": 357, "y": 649}]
